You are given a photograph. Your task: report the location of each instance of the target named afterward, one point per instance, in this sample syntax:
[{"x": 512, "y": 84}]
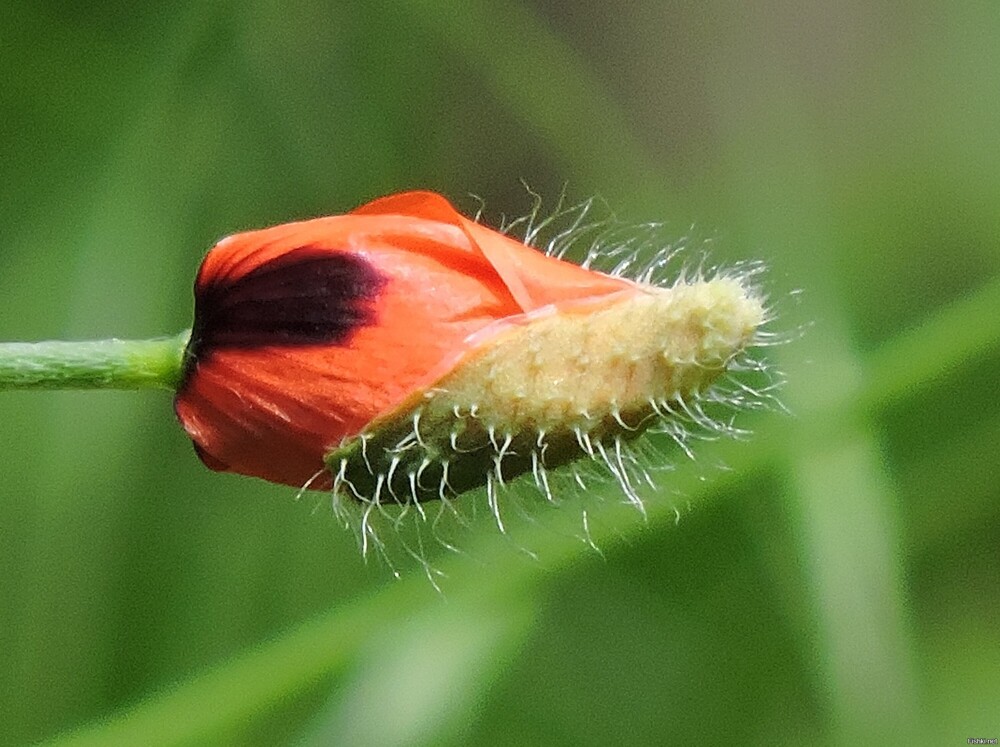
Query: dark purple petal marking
[{"x": 308, "y": 296}]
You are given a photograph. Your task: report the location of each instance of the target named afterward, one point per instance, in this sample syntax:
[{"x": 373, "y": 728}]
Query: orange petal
[{"x": 390, "y": 296}]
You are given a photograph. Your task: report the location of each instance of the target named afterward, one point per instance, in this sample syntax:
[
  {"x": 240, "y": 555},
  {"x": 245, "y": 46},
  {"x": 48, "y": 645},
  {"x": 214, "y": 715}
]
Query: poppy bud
[{"x": 403, "y": 352}]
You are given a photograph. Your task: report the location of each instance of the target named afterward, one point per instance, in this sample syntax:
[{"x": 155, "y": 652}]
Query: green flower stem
[{"x": 96, "y": 364}]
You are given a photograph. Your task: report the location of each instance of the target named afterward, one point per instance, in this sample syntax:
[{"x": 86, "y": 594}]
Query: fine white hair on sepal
[{"x": 639, "y": 384}]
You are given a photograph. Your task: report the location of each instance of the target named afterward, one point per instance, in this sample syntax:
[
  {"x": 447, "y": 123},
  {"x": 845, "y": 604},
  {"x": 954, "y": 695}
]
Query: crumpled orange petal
[{"x": 306, "y": 332}]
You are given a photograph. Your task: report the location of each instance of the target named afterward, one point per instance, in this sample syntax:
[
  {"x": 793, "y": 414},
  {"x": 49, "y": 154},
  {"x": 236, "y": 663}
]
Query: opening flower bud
[{"x": 404, "y": 352}]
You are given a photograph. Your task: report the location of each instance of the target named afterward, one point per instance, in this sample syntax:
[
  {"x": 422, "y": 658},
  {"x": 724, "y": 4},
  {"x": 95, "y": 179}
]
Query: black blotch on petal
[{"x": 307, "y": 296}]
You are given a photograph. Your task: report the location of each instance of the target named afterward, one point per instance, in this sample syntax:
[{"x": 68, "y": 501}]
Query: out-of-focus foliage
[{"x": 839, "y": 586}]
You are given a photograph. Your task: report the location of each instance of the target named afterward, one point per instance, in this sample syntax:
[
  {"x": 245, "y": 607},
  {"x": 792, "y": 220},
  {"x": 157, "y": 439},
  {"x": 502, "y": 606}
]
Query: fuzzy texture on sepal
[{"x": 566, "y": 381}]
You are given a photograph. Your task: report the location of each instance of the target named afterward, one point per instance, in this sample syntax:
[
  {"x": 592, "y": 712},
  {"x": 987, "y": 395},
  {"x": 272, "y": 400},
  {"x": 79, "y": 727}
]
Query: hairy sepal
[{"x": 563, "y": 383}]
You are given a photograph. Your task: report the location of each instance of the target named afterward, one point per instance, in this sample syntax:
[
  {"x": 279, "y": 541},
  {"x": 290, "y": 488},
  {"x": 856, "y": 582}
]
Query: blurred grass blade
[
  {"x": 427, "y": 674},
  {"x": 542, "y": 80},
  {"x": 952, "y": 336}
]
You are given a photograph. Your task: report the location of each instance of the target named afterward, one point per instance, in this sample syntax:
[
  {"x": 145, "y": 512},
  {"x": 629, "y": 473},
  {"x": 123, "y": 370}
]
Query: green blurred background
[{"x": 838, "y": 584}]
